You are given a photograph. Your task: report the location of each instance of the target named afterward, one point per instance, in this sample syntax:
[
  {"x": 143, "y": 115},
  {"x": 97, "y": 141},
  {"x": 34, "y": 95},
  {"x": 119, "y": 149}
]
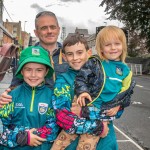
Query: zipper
[{"x": 32, "y": 100}]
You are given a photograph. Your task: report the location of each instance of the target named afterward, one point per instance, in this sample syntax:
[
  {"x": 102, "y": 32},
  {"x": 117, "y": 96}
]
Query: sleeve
[
  {"x": 72, "y": 124},
  {"x": 84, "y": 78},
  {"x": 126, "y": 82},
  {"x": 50, "y": 129},
  {"x": 123, "y": 98},
  {"x": 11, "y": 134},
  {"x": 67, "y": 120},
  {"x": 90, "y": 78}
]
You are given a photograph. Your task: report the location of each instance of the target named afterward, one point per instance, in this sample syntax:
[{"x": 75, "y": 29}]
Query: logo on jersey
[
  {"x": 19, "y": 105},
  {"x": 119, "y": 71},
  {"x": 42, "y": 108}
]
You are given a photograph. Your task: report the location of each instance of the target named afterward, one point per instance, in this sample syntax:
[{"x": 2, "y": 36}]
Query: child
[
  {"x": 29, "y": 119},
  {"x": 76, "y": 53},
  {"x": 103, "y": 77}
]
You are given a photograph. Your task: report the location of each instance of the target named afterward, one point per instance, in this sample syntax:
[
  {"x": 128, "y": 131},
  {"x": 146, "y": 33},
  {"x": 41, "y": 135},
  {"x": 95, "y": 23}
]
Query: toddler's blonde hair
[{"x": 105, "y": 35}]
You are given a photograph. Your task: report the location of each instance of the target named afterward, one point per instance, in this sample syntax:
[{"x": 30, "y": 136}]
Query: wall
[{"x": 144, "y": 61}]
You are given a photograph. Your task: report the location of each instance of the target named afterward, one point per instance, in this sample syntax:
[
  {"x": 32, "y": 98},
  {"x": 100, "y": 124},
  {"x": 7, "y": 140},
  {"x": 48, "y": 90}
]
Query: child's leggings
[{"x": 86, "y": 141}]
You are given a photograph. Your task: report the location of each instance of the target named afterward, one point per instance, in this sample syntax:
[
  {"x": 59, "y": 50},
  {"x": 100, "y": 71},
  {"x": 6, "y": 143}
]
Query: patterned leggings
[{"x": 86, "y": 141}]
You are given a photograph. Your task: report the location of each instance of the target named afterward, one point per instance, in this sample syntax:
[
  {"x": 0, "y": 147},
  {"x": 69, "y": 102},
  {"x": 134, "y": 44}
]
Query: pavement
[
  {"x": 124, "y": 141},
  {"x": 4, "y": 84}
]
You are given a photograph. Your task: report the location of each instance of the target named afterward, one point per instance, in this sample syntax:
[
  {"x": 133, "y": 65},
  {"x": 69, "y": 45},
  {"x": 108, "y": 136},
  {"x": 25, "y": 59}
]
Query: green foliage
[
  {"x": 134, "y": 14},
  {"x": 133, "y": 53}
]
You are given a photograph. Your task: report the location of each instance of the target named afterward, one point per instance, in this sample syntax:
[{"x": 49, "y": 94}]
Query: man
[{"x": 47, "y": 30}]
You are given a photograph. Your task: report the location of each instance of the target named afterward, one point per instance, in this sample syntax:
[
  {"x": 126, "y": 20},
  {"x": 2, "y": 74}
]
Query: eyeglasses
[{"x": 45, "y": 13}]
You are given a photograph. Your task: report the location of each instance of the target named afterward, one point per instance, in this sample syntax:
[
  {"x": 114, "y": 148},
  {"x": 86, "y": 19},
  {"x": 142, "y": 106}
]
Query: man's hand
[
  {"x": 5, "y": 98},
  {"x": 34, "y": 139},
  {"x": 113, "y": 111},
  {"x": 76, "y": 109}
]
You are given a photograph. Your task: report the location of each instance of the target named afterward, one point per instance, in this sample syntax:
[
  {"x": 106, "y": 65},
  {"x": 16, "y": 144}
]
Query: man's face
[
  {"x": 47, "y": 30},
  {"x": 76, "y": 55}
]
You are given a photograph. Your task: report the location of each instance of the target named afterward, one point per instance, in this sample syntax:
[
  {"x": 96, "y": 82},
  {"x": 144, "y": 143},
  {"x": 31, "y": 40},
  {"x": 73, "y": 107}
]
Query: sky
[{"x": 83, "y": 14}]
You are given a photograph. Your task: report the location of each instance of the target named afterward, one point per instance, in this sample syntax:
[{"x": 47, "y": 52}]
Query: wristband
[{"x": 28, "y": 142}]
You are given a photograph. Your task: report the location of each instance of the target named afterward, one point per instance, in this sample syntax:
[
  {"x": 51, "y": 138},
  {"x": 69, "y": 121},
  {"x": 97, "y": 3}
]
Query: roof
[{"x": 81, "y": 31}]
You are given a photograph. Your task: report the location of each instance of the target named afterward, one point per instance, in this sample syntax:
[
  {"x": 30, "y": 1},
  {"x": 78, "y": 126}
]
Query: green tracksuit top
[{"x": 30, "y": 108}]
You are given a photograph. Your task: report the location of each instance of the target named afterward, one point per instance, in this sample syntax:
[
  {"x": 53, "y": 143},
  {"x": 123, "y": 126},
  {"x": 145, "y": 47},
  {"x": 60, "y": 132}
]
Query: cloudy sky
[{"x": 84, "y": 14}]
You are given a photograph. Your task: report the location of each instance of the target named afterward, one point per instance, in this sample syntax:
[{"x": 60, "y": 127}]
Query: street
[
  {"x": 135, "y": 122},
  {"x": 133, "y": 128}
]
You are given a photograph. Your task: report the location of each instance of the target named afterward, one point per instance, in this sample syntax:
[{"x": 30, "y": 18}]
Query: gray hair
[{"x": 45, "y": 13}]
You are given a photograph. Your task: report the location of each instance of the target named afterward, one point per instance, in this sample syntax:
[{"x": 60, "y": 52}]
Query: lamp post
[{"x": 24, "y": 25}]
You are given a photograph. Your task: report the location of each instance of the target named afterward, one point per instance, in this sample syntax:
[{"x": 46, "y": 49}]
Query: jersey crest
[{"x": 42, "y": 108}]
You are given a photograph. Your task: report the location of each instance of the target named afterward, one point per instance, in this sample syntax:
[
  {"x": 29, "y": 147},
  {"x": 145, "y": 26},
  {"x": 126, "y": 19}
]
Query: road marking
[
  {"x": 134, "y": 102},
  {"x": 123, "y": 141},
  {"x": 129, "y": 139},
  {"x": 139, "y": 85}
]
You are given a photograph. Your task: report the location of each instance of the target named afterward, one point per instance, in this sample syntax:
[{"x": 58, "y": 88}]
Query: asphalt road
[{"x": 135, "y": 122}]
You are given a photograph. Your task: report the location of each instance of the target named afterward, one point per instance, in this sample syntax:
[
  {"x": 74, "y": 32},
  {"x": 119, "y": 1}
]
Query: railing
[
  {"x": 136, "y": 68},
  {"x": 6, "y": 32},
  {"x": 8, "y": 52}
]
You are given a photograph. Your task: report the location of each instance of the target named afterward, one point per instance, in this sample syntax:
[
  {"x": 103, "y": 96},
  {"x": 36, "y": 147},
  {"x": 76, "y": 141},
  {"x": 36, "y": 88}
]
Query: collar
[
  {"x": 58, "y": 46},
  {"x": 27, "y": 86}
]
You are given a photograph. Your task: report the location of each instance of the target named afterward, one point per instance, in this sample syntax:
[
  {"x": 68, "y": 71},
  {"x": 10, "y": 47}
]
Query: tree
[{"x": 135, "y": 15}]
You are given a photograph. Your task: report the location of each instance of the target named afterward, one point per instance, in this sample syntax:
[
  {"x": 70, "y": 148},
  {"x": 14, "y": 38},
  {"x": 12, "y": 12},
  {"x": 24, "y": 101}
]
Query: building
[
  {"x": 14, "y": 28},
  {"x": 89, "y": 37},
  {"x": 82, "y": 32},
  {"x": 5, "y": 36},
  {"x": 21, "y": 38},
  {"x": 91, "y": 42},
  {"x": 11, "y": 32}
]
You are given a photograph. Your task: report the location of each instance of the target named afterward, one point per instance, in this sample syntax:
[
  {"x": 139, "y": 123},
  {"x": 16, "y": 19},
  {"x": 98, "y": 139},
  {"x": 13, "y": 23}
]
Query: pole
[{"x": 25, "y": 26}]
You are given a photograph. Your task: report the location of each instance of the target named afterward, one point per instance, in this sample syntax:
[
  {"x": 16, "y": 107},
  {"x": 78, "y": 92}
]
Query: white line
[
  {"x": 139, "y": 85},
  {"x": 123, "y": 141},
  {"x": 140, "y": 148}
]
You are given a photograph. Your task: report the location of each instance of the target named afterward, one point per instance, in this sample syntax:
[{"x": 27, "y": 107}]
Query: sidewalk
[{"x": 4, "y": 84}]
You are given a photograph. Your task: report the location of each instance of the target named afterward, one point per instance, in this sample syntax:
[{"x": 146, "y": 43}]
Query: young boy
[
  {"x": 29, "y": 120},
  {"x": 76, "y": 53}
]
